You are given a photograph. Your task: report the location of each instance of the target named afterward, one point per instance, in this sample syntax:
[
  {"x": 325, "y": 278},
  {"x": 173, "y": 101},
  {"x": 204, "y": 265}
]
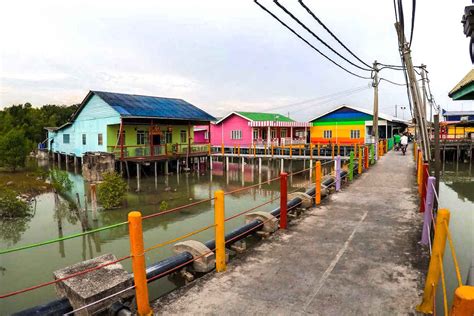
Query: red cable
[{"x": 63, "y": 279}]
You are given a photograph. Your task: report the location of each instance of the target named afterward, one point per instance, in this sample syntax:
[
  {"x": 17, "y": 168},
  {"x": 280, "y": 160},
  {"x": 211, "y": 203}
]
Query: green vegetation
[
  {"x": 13, "y": 149},
  {"x": 111, "y": 191},
  {"x": 60, "y": 181},
  {"x": 163, "y": 206},
  {"x": 30, "y": 121},
  {"x": 11, "y": 206}
]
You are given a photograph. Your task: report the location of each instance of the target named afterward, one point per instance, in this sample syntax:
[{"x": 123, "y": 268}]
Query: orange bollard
[
  {"x": 317, "y": 195},
  {"x": 138, "y": 263},
  {"x": 463, "y": 303}
]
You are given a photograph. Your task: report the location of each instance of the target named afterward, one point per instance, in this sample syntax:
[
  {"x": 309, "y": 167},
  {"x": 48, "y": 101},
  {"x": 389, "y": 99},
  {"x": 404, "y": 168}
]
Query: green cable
[{"x": 62, "y": 238}]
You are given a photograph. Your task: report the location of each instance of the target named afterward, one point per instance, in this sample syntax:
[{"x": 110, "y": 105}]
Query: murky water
[
  {"x": 53, "y": 218},
  {"x": 457, "y": 195}
]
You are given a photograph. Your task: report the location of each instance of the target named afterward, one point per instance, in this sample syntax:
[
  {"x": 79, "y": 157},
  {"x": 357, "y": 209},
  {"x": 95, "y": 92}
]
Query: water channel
[{"x": 53, "y": 218}]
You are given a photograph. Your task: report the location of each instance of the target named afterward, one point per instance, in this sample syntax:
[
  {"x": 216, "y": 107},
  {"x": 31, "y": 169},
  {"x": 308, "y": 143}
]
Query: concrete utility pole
[
  {"x": 415, "y": 93},
  {"x": 423, "y": 88},
  {"x": 375, "y": 117}
]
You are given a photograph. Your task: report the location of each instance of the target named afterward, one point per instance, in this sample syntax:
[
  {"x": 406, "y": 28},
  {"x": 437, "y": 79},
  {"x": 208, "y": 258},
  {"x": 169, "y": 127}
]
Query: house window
[
  {"x": 123, "y": 136},
  {"x": 236, "y": 134},
  {"x": 142, "y": 137},
  {"x": 255, "y": 133},
  {"x": 84, "y": 139},
  {"x": 65, "y": 138},
  {"x": 283, "y": 133},
  {"x": 355, "y": 133},
  {"x": 169, "y": 137},
  {"x": 300, "y": 134},
  {"x": 206, "y": 135},
  {"x": 273, "y": 133},
  {"x": 183, "y": 136},
  {"x": 99, "y": 139},
  {"x": 328, "y": 134}
]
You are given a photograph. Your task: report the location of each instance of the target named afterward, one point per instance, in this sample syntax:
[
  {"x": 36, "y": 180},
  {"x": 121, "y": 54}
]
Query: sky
[{"x": 223, "y": 56}]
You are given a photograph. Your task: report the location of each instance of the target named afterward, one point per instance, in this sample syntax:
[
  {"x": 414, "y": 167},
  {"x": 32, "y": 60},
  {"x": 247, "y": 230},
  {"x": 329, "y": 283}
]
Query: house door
[
  {"x": 264, "y": 134},
  {"x": 156, "y": 140}
]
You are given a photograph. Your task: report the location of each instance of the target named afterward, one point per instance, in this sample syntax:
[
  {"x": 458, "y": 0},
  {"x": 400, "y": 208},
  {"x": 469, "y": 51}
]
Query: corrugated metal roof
[
  {"x": 469, "y": 78},
  {"x": 260, "y": 116},
  {"x": 131, "y": 105}
]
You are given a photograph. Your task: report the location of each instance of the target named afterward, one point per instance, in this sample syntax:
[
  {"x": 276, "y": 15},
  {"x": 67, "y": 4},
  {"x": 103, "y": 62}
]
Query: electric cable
[{"x": 308, "y": 43}]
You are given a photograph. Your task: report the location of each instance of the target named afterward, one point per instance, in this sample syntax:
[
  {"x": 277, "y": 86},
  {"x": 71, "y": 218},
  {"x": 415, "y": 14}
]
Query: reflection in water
[
  {"x": 457, "y": 195},
  {"x": 58, "y": 216}
]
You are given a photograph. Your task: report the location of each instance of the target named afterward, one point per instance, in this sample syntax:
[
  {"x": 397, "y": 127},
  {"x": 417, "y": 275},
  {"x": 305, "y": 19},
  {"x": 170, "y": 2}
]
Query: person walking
[{"x": 404, "y": 143}]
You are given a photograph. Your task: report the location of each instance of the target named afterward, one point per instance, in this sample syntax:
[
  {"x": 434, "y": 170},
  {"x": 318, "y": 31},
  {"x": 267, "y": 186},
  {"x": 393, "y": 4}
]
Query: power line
[
  {"x": 332, "y": 34},
  {"x": 412, "y": 21},
  {"x": 308, "y": 43},
  {"x": 316, "y": 36},
  {"x": 338, "y": 97},
  {"x": 392, "y": 82},
  {"x": 313, "y": 99}
]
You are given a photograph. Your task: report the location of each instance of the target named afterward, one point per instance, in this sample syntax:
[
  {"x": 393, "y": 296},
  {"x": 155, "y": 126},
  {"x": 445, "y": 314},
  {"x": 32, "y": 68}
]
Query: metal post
[
  {"x": 282, "y": 166},
  {"x": 437, "y": 155},
  {"x": 283, "y": 199},
  {"x": 337, "y": 166},
  {"x": 317, "y": 195},
  {"x": 219, "y": 218},
  {"x": 425, "y": 236},
  {"x": 138, "y": 177},
  {"x": 138, "y": 263},
  {"x": 227, "y": 163},
  {"x": 375, "y": 116}
]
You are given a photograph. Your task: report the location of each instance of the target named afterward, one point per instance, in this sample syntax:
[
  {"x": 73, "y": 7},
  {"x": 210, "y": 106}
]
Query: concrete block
[
  {"x": 94, "y": 164},
  {"x": 305, "y": 198},
  {"x": 206, "y": 260},
  {"x": 270, "y": 222},
  {"x": 95, "y": 285}
]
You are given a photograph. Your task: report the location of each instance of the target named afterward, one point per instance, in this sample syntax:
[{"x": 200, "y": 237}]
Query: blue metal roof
[{"x": 130, "y": 105}]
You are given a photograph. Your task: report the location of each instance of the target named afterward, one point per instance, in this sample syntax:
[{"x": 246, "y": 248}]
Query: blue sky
[{"x": 219, "y": 55}]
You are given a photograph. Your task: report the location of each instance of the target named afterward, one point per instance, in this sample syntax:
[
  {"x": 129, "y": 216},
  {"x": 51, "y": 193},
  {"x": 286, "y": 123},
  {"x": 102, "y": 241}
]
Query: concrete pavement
[{"x": 356, "y": 254}]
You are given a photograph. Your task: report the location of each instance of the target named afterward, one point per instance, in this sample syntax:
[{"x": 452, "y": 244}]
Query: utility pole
[
  {"x": 437, "y": 153},
  {"x": 415, "y": 93},
  {"x": 423, "y": 87},
  {"x": 396, "y": 115},
  {"x": 375, "y": 116}
]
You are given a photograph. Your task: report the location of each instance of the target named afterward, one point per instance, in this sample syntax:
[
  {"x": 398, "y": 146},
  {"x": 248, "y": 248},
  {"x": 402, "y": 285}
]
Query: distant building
[
  {"x": 464, "y": 90},
  {"x": 256, "y": 128},
  {"x": 348, "y": 125},
  {"x": 130, "y": 126}
]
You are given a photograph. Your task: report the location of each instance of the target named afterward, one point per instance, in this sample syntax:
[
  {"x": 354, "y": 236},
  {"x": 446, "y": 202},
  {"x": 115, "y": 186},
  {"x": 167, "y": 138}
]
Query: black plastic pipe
[{"x": 165, "y": 266}]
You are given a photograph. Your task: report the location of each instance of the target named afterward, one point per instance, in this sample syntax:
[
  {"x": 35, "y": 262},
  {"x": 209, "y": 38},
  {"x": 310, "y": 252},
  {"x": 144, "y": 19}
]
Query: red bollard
[
  {"x": 366, "y": 157},
  {"x": 283, "y": 199},
  {"x": 424, "y": 181}
]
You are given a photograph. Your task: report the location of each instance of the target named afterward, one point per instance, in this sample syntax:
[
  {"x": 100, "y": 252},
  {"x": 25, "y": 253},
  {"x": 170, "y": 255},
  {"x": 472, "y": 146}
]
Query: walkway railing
[
  {"x": 436, "y": 224},
  {"x": 338, "y": 173}
]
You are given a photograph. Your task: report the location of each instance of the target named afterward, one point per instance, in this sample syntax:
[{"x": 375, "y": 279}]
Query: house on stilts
[{"x": 130, "y": 128}]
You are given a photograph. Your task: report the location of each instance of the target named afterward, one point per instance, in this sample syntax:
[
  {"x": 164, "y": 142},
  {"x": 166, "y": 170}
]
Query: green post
[
  {"x": 372, "y": 158},
  {"x": 351, "y": 166}
]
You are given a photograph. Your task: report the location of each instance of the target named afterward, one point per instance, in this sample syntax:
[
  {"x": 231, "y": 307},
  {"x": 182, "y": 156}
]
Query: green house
[{"x": 130, "y": 126}]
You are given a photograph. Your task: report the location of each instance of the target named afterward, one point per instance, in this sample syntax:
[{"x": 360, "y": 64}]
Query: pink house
[
  {"x": 201, "y": 134},
  {"x": 249, "y": 128}
]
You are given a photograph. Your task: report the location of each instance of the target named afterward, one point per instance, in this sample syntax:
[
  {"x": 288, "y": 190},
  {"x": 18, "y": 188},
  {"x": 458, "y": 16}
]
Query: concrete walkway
[{"x": 357, "y": 254}]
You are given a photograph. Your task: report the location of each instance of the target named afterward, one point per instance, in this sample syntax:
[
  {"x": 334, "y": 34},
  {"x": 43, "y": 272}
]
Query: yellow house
[{"x": 348, "y": 125}]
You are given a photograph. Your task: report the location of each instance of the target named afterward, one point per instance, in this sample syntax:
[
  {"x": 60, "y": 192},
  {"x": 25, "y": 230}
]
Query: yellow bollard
[
  {"x": 138, "y": 263},
  {"x": 219, "y": 215},
  {"x": 463, "y": 303},
  {"x": 222, "y": 149},
  {"x": 291, "y": 150},
  {"x": 317, "y": 195},
  {"x": 434, "y": 269},
  {"x": 265, "y": 149},
  {"x": 332, "y": 151},
  {"x": 209, "y": 148},
  {"x": 272, "y": 149}
]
